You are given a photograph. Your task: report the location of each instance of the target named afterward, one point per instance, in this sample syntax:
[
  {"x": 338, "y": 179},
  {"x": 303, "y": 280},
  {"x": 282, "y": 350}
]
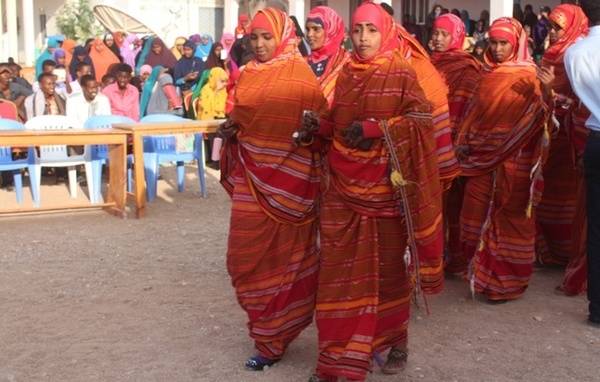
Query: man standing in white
[
  {"x": 582, "y": 63},
  {"x": 89, "y": 102}
]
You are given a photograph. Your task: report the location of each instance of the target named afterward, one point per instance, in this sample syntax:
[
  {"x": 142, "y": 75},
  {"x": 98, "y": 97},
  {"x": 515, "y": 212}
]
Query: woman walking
[{"x": 272, "y": 255}]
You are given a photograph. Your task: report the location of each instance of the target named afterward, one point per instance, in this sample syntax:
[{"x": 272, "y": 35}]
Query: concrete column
[
  {"x": 28, "y": 25},
  {"x": 11, "y": 21},
  {"x": 297, "y": 9},
  {"x": 231, "y": 12},
  {"x": 500, "y": 8}
]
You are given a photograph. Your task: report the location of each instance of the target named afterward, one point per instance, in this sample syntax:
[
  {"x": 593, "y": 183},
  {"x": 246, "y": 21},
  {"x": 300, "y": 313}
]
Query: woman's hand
[
  {"x": 309, "y": 127},
  {"x": 227, "y": 129},
  {"x": 461, "y": 152},
  {"x": 546, "y": 76}
]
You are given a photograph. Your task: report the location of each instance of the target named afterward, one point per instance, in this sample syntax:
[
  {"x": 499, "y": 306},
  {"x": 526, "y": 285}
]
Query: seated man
[
  {"x": 12, "y": 91},
  {"x": 48, "y": 67},
  {"x": 45, "y": 101},
  {"x": 16, "y": 75},
  {"x": 81, "y": 70},
  {"x": 88, "y": 102},
  {"x": 124, "y": 98}
]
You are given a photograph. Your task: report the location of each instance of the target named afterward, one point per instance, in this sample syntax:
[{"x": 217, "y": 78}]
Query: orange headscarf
[
  {"x": 102, "y": 57},
  {"x": 279, "y": 25},
  {"x": 68, "y": 46},
  {"x": 571, "y": 19},
  {"x": 511, "y": 30}
]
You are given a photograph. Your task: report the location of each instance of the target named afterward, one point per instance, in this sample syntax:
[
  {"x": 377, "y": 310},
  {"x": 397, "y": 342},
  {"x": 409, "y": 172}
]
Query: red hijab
[
  {"x": 369, "y": 12},
  {"x": 454, "y": 26},
  {"x": 571, "y": 19},
  {"x": 511, "y": 30},
  {"x": 333, "y": 25}
]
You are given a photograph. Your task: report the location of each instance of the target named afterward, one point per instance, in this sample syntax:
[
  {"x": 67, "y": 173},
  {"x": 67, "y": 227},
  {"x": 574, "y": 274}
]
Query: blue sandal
[{"x": 258, "y": 363}]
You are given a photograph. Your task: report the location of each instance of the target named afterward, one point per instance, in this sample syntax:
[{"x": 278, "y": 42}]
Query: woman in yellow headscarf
[
  {"x": 213, "y": 96},
  {"x": 177, "y": 48}
]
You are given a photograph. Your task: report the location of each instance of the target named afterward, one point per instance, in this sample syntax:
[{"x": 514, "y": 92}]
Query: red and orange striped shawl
[
  {"x": 329, "y": 78},
  {"x": 462, "y": 73},
  {"x": 386, "y": 89},
  {"x": 436, "y": 92},
  {"x": 507, "y": 113},
  {"x": 269, "y": 100}
]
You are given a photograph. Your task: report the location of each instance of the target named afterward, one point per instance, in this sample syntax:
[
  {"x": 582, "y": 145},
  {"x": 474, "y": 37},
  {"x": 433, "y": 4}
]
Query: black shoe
[
  {"x": 594, "y": 320},
  {"x": 258, "y": 363}
]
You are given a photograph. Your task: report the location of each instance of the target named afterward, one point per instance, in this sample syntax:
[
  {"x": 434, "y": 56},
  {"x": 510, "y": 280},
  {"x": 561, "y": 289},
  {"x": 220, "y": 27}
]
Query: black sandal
[
  {"x": 258, "y": 363},
  {"x": 396, "y": 361}
]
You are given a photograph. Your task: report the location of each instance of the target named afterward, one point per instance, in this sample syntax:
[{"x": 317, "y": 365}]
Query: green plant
[{"x": 76, "y": 20}]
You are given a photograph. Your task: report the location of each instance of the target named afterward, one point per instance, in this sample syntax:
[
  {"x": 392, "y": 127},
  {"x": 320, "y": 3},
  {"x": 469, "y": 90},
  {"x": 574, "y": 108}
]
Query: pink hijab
[
  {"x": 333, "y": 25},
  {"x": 227, "y": 41},
  {"x": 454, "y": 26}
]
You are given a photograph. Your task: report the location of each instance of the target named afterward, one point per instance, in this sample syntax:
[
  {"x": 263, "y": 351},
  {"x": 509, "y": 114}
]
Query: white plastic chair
[{"x": 57, "y": 155}]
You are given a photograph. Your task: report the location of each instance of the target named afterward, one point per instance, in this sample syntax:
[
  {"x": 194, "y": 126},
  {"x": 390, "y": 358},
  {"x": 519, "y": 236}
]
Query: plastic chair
[
  {"x": 162, "y": 148},
  {"x": 57, "y": 155},
  {"x": 7, "y": 163},
  {"x": 99, "y": 153}
]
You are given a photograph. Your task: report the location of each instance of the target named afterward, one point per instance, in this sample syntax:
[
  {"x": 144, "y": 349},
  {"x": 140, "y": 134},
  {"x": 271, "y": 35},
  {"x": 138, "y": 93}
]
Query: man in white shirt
[
  {"x": 582, "y": 63},
  {"x": 89, "y": 102},
  {"x": 81, "y": 70}
]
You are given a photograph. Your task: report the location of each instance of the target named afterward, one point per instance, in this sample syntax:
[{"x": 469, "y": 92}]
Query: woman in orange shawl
[
  {"x": 502, "y": 144},
  {"x": 102, "y": 57},
  {"x": 436, "y": 92},
  {"x": 325, "y": 33},
  {"x": 365, "y": 286},
  {"x": 558, "y": 231},
  {"x": 462, "y": 73},
  {"x": 272, "y": 254}
]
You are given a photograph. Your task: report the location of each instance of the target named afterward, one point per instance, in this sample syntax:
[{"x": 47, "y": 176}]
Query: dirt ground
[{"x": 89, "y": 297}]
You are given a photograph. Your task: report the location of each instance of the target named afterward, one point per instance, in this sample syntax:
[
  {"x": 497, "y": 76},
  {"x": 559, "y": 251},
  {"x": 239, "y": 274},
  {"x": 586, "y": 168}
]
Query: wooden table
[
  {"x": 141, "y": 130},
  {"x": 117, "y": 154}
]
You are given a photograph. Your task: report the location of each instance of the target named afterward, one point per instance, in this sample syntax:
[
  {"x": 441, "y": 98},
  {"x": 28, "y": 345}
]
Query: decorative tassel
[{"x": 397, "y": 179}]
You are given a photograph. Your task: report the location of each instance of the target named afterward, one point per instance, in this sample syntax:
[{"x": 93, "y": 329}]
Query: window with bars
[{"x": 416, "y": 9}]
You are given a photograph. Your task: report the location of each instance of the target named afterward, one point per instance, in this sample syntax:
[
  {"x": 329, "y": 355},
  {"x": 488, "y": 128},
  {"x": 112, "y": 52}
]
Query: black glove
[
  {"x": 353, "y": 137},
  {"x": 310, "y": 125}
]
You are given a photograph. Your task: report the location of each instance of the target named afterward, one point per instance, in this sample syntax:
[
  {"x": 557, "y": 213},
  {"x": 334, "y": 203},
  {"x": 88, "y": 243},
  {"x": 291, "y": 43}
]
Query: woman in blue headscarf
[
  {"x": 47, "y": 54},
  {"x": 204, "y": 47}
]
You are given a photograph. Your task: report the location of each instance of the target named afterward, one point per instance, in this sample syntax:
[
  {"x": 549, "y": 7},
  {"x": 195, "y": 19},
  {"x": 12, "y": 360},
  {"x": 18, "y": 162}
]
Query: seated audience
[{"x": 123, "y": 97}]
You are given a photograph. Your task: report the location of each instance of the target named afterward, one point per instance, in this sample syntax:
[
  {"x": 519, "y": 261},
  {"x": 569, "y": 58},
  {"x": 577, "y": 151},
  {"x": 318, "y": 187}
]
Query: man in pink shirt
[{"x": 124, "y": 98}]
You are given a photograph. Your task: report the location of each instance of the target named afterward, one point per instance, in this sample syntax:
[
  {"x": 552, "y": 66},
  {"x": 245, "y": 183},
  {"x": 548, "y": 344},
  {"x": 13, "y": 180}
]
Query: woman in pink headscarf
[
  {"x": 325, "y": 34},
  {"x": 364, "y": 292},
  {"x": 462, "y": 73},
  {"x": 130, "y": 48},
  {"x": 227, "y": 41}
]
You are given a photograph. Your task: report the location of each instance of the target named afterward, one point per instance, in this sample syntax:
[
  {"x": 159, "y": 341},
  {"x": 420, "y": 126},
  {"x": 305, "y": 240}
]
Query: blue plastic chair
[
  {"x": 99, "y": 153},
  {"x": 7, "y": 163},
  {"x": 162, "y": 148}
]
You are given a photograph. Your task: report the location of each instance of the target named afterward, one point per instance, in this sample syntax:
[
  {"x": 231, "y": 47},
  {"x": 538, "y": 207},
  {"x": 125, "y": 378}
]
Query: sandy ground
[{"x": 89, "y": 297}]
